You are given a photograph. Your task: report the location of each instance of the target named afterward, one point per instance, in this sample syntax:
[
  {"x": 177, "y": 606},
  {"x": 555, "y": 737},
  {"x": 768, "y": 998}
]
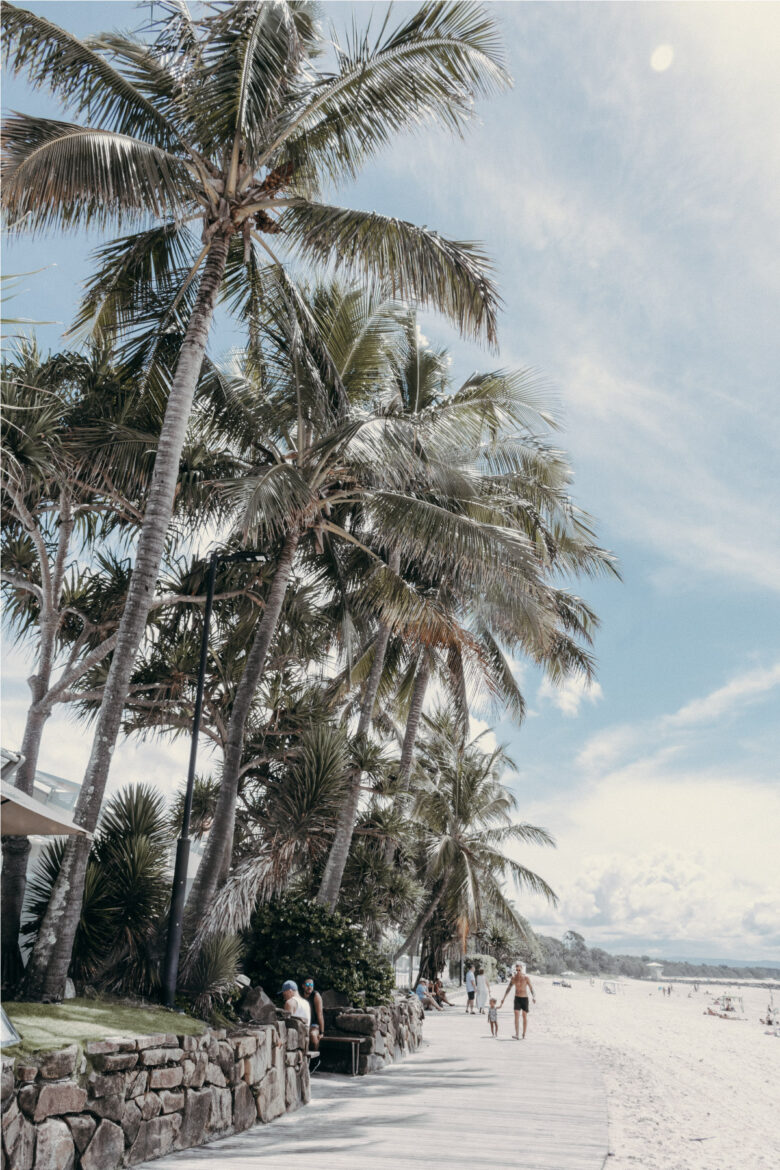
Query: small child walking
[{"x": 493, "y": 1018}]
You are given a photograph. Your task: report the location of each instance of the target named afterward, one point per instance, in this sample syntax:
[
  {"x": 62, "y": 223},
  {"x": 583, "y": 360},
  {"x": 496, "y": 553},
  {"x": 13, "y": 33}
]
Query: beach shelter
[
  {"x": 24, "y": 816},
  {"x": 8, "y": 1033}
]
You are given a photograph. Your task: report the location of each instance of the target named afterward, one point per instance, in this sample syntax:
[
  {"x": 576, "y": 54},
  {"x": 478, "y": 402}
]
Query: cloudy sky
[{"x": 627, "y": 189}]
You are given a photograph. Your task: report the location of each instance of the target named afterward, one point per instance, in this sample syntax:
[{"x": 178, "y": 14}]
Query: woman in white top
[{"x": 483, "y": 990}]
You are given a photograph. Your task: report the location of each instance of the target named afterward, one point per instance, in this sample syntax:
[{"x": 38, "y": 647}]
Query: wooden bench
[{"x": 338, "y": 1042}]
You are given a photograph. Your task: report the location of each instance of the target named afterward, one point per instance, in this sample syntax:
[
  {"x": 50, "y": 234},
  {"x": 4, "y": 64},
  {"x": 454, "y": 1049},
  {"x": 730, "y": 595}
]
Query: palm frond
[
  {"x": 409, "y": 262},
  {"x": 57, "y": 174},
  {"x": 130, "y": 270},
  {"x": 80, "y": 76},
  {"x": 250, "y": 57},
  {"x": 427, "y": 71}
]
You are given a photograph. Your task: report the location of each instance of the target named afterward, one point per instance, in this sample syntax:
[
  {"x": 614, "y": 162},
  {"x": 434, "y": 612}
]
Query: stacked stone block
[
  {"x": 387, "y": 1033},
  {"x": 128, "y": 1100}
]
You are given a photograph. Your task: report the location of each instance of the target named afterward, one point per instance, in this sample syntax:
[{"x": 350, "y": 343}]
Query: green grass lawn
[{"x": 46, "y": 1026}]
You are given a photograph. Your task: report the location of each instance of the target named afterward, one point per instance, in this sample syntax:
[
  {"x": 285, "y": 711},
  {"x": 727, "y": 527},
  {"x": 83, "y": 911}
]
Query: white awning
[{"x": 24, "y": 816}]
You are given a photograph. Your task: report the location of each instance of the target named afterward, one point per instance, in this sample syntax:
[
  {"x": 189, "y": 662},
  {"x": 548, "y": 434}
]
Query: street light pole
[{"x": 176, "y": 916}]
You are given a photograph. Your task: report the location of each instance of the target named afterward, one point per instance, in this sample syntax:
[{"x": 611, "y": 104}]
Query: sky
[{"x": 626, "y": 188}]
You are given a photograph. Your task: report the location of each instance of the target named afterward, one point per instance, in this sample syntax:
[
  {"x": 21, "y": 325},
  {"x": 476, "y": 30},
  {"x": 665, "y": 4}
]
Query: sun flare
[{"x": 662, "y": 58}]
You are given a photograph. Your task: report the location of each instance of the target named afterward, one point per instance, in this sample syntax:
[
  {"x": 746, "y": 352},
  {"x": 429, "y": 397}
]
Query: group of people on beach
[
  {"x": 479, "y": 998},
  {"x": 432, "y": 995}
]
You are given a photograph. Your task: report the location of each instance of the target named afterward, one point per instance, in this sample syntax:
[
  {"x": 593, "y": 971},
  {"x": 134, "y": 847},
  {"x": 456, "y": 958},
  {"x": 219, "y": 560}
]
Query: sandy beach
[{"x": 686, "y": 1091}]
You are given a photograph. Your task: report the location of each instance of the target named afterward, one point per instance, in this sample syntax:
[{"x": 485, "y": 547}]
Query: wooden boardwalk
[{"x": 465, "y": 1100}]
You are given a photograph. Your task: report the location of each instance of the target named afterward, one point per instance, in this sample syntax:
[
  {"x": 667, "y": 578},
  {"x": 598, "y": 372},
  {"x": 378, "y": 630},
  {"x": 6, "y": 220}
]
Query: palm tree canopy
[{"x": 232, "y": 122}]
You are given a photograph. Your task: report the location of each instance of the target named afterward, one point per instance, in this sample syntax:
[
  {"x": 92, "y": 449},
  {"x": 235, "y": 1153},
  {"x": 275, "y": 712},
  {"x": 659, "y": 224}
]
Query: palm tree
[
  {"x": 515, "y": 461},
  {"x": 327, "y": 465},
  {"x": 506, "y": 479},
  {"x": 52, "y": 509},
  {"x": 225, "y": 121},
  {"x": 464, "y": 815},
  {"x": 78, "y": 441}
]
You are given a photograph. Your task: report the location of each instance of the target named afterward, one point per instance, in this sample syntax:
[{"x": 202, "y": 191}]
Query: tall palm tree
[
  {"x": 226, "y": 122},
  {"x": 513, "y": 459},
  {"x": 78, "y": 443},
  {"x": 465, "y": 824},
  {"x": 53, "y": 508},
  {"x": 511, "y": 481},
  {"x": 322, "y": 451}
]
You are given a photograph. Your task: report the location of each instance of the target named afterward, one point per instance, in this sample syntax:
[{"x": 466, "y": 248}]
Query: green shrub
[
  {"x": 290, "y": 938},
  {"x": 486, "y": 962}
]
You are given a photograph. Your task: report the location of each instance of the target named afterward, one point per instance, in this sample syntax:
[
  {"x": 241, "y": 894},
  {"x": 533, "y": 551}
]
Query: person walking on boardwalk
[
  {"x": 522, "y": 986},
  {"x": 483, "y": 990},
  {"x": 493, "y": 1018},
  {"x": 471, "y": 989}
]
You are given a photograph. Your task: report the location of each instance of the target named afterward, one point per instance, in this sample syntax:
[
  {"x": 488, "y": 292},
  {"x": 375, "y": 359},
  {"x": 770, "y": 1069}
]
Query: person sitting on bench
[{"x": 314, "y": 1000}]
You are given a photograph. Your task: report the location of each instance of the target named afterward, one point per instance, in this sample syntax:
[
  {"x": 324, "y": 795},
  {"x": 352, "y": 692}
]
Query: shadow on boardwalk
[{"x": 462, "y": 1101}]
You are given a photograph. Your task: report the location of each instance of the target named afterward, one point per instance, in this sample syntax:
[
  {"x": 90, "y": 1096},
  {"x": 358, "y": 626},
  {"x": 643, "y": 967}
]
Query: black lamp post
[{"x": 176, "y": 916}]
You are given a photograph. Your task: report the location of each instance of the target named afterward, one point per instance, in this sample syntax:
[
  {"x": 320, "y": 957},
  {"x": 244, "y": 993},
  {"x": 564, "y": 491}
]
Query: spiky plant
[
  {"x": 125, "y": 896},
  {"x": 212, "y": 977}
]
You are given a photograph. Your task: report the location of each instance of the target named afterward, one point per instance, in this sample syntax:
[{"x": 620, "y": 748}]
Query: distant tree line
[
  {"x": 717, "y": 971},
  {"x": 553, "y": 956}
]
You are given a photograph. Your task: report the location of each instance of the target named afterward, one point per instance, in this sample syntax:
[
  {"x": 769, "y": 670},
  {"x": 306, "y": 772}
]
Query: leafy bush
[
  {"x": 290, "y": 938},
  {"x": 486, "y": 962}
]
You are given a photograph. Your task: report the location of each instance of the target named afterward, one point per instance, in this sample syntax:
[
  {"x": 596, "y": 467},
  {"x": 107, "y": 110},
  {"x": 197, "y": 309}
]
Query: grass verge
[{"x": 47, "y": 1026}]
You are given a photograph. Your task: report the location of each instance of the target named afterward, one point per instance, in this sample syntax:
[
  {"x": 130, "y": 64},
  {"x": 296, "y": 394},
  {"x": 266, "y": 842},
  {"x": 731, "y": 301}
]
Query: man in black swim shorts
[{"x": 521, "y": 985}]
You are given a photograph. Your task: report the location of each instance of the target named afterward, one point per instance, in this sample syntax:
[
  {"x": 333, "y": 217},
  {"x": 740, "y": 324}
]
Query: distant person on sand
[
  {"x": 471, "y": 989},
  {"x": 521, "y": 985},
  {"x": 493, "y": 1018}
]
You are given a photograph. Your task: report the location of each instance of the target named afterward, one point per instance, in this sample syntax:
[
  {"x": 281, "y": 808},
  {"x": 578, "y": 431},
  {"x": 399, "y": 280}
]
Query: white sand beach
[{"x": 686, "y": 1091}]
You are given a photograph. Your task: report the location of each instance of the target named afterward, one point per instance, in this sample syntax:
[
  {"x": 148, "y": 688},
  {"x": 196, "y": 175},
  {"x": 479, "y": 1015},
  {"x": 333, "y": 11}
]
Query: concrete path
[{"x": 465, "y": 1100}]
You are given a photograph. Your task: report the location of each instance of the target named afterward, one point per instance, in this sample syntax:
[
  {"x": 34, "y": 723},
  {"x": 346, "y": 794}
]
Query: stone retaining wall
[
  {"x": 124, "y": 1101},
  {"x": 387, "y": 1033}
]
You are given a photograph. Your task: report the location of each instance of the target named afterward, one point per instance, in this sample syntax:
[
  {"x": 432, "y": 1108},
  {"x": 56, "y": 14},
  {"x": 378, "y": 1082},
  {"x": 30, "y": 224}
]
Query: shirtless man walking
[{"x": 522, "y": 985}]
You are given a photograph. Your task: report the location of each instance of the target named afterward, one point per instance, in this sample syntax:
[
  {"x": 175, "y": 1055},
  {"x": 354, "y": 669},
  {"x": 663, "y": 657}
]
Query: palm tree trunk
[
  {"x": 214, "y": 867},
  {"x": 328, "y": 893},
  {"x": 411, "y": 939},
  {"x": 49, "y": 962},
  {"x": 416, "y": 704},
  {"x": 16, "y": 851}
]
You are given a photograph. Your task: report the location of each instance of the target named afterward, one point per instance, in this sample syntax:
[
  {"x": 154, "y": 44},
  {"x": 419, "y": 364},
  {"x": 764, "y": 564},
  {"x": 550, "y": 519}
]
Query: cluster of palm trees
[{"x": 416, "y": 534}]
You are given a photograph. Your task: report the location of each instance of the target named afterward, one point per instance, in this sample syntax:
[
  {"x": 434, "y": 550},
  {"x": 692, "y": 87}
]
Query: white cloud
[
  {"x": 569, "y": 695},
  {"x": 655, "y": 852},
  {"x": 739, "y": 690},
  {"x": 607, "y": 747},
  {"x": 478, "y": 727},
  {"x": 66, "y": 744},
  {"x": 651, "y": 846},
  {"x": 603, "y": 749}
]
